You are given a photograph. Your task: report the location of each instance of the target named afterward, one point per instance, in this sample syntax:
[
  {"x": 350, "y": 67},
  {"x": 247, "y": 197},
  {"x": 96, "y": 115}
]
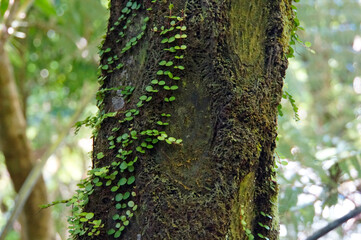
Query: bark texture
[
  {"x": 219, "y": 184},
  {"x": 18, "y": 154}
]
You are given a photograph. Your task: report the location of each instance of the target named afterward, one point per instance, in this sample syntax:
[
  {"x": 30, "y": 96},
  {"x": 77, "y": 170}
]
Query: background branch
[{"x": 332, "y": 225}]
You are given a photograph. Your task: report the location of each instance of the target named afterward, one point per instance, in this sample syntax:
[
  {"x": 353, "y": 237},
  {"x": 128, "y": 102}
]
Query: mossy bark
[{"x": 219, "y": 184}]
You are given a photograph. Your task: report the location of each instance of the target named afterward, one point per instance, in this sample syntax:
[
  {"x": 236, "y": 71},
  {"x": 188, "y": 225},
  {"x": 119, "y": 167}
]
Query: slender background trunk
[
  {"x": 220, "y": 182},
  {"x": 19, "y": 161}
]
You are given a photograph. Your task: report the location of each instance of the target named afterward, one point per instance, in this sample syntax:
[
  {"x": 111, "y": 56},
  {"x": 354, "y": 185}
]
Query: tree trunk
[{"x": 219, "y": 182}]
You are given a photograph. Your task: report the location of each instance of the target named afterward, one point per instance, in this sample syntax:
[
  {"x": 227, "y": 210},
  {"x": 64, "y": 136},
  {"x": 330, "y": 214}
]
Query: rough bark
[
  {"x": 18, "y": 154},
  {"x": 219, "y": 184}
]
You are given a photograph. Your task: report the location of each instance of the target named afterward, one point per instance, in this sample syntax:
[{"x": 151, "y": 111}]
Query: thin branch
[
  {"x": 15, "y": 12},
  {"x": 34, "y": 175},
  {"x": 332, "y": 225}
]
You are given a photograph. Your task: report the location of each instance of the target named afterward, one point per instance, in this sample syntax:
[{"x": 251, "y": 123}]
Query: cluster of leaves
[
  {"x": 51, "y": 52},
  {"x": 132, "y": 143}
]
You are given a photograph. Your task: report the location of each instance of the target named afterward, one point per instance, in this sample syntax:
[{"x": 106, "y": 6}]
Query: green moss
[{"x": 243, "y": 211}]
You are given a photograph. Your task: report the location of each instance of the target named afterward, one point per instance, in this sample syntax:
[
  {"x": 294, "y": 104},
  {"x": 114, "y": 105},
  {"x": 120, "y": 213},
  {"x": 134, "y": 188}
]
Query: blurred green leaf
[{"x": 46, "y": 6}]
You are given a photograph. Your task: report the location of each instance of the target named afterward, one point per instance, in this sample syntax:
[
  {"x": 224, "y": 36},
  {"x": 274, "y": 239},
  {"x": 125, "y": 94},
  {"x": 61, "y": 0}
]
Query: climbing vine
[
  {"x": 129, "y": 143},
  {"x": 296, "y": 27}
]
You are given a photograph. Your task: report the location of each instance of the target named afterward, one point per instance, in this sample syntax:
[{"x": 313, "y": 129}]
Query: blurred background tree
[
  {"x": 51, "y": 47},
  {"x": 322, "y": 179}
]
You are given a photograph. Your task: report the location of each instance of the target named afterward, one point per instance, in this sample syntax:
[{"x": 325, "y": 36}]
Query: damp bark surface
[{"x": 219, "y": 183}]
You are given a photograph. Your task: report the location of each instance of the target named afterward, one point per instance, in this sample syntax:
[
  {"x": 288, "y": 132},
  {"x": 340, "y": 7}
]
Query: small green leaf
[
  {"x": 89, "y": 187},
  {"x": 100, "y": 155},
  {"x": 123, "y": 166},
  {"x": 117, "y": 234},
  {"x": 108, "y": 183},
  {"x": 144, "y": 97},
  {"x": 126, "y": 195},
  {"x": 131, "y": 204},
  {"x": 171, "y": 39},
  {"x": 149, "y": 89},
  {"x": 260, "y": 235},
  {"x": 131, "y": 180},
  {"x": 118, "y": 197},
  {"x": 172, "y": 139},
  {"x": 111, "y": 231},
  {"x": 162, "y": 63},
  {"x": 122, "y": 181},
  {"x": 89, "y": 215},
  {"x": 114, "y": 188},
  {"x": 285, "y": 163}
]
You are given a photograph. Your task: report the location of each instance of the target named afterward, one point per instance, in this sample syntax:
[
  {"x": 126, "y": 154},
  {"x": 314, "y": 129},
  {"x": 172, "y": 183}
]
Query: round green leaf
[
  {"x": 131, "y": 204},
  {"x": 118, "y": 197},
  {"x": 126, "y": 195},
  {"x": 117, "y": 234},
  {"x": 131, "y": 180},
  {"x": 122, "y": 181},
  {"x": 89, "y": 215},
  {"x": 111, "y": 231}
]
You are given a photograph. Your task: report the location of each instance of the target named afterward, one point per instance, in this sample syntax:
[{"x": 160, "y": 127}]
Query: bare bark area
[
  {"x": 18, "y": 154},
  {"x": 220, "y": 183}
]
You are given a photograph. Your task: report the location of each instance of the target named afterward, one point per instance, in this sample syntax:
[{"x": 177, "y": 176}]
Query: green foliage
[
  {"x": 322, "y": 149},
  {"x": 119, "y": 173},
  {"x": 53, "y": 56}
]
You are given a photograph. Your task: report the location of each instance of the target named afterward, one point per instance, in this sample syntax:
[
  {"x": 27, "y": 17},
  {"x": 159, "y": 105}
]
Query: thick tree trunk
[
  {"x": 14, "y": 144},
  {"x": 219, "y": 183}
]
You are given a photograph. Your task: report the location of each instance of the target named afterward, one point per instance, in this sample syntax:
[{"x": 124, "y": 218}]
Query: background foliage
[
  {"x": 54, "y": 57},
  {"x": 322, "y": 180}
]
